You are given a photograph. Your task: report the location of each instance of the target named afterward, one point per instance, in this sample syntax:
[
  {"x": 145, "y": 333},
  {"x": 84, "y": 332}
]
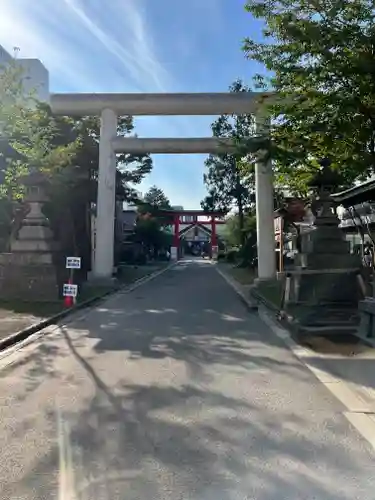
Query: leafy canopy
[
  {"x": 30, "y": 135},
  {"x": 226, "y": 186},
  {"x": 320, "y": 55},
  {"x": 64, "y": 148},
  {"x": 150, "y": 227}
]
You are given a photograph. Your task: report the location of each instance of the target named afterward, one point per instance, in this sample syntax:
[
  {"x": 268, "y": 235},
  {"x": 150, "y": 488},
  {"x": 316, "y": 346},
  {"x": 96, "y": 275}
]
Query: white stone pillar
[
  {"x": 174, "y": 253},
  {"x": 176, "y": 238},
  {"x": 264, "y": 211},
  {"x": 105, "y": 218}
]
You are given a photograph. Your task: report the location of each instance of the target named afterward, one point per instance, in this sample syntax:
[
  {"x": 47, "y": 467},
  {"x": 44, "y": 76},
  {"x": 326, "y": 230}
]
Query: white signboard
[
  {"x": 70, "y": 290},
  {"x": 73, "y": 262},
  {"x": 278, "y": 226}
]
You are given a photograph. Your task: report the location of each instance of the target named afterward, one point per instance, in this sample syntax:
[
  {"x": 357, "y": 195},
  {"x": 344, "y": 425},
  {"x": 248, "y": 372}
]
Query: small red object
[{"x": 68, "y": 301}]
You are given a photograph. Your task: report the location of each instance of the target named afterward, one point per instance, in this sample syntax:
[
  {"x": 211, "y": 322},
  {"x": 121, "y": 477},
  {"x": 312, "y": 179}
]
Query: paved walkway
[{"x": 174, "y": 391}]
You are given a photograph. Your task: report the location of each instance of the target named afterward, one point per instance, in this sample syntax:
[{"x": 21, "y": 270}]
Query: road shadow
[
  {"x": 194, "y": 323},
  {"x": 198, "y": 320},
  {"x": 135, "y": 441},
  {"x": 196, "y": 439},
  {"x": 208, "y": 337}
]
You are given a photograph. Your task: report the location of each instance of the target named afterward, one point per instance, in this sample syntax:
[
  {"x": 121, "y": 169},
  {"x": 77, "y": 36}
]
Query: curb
[
  {"x": 355, "y": 409},
  {"x": 249, "y": 304},
  {"x": 269, "y": 305},
  {"x": 25, "y": 333}
]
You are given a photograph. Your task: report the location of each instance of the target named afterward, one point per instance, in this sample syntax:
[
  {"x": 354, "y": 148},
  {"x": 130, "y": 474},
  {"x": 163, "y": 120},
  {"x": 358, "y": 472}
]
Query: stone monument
[
  {"x": 323, "y": 288},
  {"x": 28, "y": 271}
]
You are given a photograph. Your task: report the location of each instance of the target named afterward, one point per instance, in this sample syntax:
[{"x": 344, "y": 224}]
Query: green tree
[
  {"x": 28, "y": 139},
  {"x": 244, "y": 237},
  {"x": 29, "y": 134},
  {"x": 320, "y": 58},
  {"x": 157, "y": 198},
  {"x": 154, "y": 202},
  {"x": 232, "y": 233},
  {"x": 67, "y": 151},
  {"x": 74, "y": 188},
  {"x": 151, "y": 224},
  {"x": 227, "y": 187}
]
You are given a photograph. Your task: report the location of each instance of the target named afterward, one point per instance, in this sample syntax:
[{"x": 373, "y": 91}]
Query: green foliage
[
  {"x": 157, "y": 198},
  {"x": 30, "y": 135},
  {"x": 234, "y": 233},
  {"x": 150, "y": 227},
  {"x": 226, "y": 186},
  {"x": 232, "y": 255},
  {"x": 244, "y": 238},
  {"x": 14, "y": 106},
  {"x": 153, "y": 203},
  {"x": 150, "y": 233},
  {"x": 131, "y": 169},
  {"x": 54, "y": 143},
  {"x": 321, "y": 59},
  {"x": 67, "y": 151}
]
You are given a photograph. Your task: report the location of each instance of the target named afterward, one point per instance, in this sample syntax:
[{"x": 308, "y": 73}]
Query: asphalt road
[{"x": 174, "y": 391}]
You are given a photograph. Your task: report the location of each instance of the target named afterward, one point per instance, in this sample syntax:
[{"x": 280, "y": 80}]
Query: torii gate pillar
[
  {"x": 264, "y": 210},
  {"x": 105, "y": 216}
]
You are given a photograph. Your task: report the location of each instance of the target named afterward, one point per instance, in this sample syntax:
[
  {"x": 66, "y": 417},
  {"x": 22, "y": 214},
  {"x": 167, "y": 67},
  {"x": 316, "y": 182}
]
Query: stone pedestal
[
  {"x": 28, "y": 272},
  {"x": 323, "y": 288},
  {"x": 366, "y": 327},
  {"x": 215, "y": 252}
]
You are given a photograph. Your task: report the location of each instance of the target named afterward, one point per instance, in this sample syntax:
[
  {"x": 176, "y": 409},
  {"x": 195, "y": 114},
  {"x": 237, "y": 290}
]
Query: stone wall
[{"x": 28, "y": 277}]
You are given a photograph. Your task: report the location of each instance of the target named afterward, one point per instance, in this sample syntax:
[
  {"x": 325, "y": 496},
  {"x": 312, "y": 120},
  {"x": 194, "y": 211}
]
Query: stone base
[
  {"x": 324, "y": 286},
  {"x": 28, "y": 277},
  {"x": 366, "y": 327},
  {"x": 215, "y": 252},
  {"x": 323, "y": 302},
  {"x": 93, "y": 280}
]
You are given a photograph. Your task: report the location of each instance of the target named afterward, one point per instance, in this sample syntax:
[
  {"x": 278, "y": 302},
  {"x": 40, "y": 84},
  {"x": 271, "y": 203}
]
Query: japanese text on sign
[
  {"x": 73, "y": 262},
  {"x": 70, "y": 290}
]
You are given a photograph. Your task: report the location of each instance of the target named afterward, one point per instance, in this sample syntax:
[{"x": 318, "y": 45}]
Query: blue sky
[{"x": 139, "y": 46}]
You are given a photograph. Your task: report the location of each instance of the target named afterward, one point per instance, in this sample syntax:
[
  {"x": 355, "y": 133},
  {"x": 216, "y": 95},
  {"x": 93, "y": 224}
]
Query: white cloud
[
  {"x": 81, "y": 43},
  {"x": 108, "y": 46},
  {"x": 133, "y": 49}
]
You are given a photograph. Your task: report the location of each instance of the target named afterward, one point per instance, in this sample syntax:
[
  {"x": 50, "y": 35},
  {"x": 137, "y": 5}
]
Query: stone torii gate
[{"x": 110, "y": 106}]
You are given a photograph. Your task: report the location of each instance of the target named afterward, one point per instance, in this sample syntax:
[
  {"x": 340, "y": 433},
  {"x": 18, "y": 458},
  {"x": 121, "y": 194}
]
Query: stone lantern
[
  {"x": 34, "y": 234},
  {"x": 324, "y": 291},
  {"x": 29, "y": 272}
]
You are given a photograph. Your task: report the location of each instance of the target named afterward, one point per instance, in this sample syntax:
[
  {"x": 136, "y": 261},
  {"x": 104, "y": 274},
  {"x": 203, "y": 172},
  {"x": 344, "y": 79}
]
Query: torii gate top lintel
[{"x": 138, "y": 104}]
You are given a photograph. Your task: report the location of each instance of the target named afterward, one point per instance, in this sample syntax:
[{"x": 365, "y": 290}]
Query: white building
[
  {"x": 35, "y": 76},
  {"x": 5, "y": 57},
  {"x": 183, "y": 218}
]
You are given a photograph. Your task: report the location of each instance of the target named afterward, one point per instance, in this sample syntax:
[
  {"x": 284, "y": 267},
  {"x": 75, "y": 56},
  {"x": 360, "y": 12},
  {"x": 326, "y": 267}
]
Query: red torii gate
[{"x": 176, "y": 221}]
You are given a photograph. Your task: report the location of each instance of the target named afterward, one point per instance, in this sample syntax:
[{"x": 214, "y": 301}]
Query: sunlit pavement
[{"x": 174, "y": 391}]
